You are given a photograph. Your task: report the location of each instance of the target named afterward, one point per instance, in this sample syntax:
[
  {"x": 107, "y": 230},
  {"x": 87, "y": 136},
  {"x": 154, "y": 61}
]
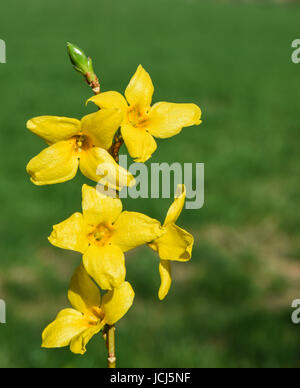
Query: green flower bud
[
  {"x": 81, "y": 62},
  {"x": 84, "y": 66}
]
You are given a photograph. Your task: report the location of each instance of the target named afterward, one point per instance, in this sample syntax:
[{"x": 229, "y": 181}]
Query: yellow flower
[
  {"x": 141, "y": 121},
  {"x": 76, "y": 326},
  {"x": 102, "y": 233},
  {"x": 72, "y": 144},
  {"x": 175, "y": 244}
]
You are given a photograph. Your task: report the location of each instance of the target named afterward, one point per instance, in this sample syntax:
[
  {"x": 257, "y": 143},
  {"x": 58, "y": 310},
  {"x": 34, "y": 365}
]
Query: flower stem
[{"x": 111, "y": 346}]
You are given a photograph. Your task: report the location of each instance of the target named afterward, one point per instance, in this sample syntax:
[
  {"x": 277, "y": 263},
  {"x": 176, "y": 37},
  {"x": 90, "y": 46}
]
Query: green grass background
[{"x": 228, "y": 307}]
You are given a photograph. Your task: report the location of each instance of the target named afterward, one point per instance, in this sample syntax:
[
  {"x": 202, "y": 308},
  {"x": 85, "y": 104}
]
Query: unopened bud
[{"x": 83, "y": 65}]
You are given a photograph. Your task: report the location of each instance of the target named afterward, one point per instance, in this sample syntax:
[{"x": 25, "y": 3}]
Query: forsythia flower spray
[{"x": 103, "y": 231}]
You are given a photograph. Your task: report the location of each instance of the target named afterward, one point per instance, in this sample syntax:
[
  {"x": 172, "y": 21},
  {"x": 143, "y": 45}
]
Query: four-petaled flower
[
  {"x": 141, "y": 122},
  {"x": 72, "y": 144},
  {"x": 75, "y": 327},
  {"x": 175, "y": 244},
  {"x": 102, "y": 233}
]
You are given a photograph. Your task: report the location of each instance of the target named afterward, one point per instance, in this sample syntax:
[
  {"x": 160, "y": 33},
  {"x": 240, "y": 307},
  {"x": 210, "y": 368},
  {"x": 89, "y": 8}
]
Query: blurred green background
[{"x": 228, "y": 307}]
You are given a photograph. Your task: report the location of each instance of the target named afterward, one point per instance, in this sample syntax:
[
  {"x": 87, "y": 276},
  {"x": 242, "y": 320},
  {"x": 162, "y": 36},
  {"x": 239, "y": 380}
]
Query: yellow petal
[
  {"x": 102, "y": 126},
  {"x": 99, "y": 208},
  {"x": 140, "y": 144},
  {"x": 106, "y": 265},
  {"x": 165, "y": 277},
  {"x": 70, "y": 234},
  {"x": 83, "y": 292},
  {"x": 56, "y": 164},
  {"x": 140, "y": 90},
  {"x": 177, "y": 206},
  {"x": 135, "y": 229},
  {"x": 69, "y": 313},
  {"x": 110, "y": 100},
  {"x": 116, "y": 303},
  {"x": 78, "y": 343},
  {"x": 54, "y": 129},
  {"x": 68, "y": 324},
  {"x": 99, "y": 166},
  {"x": 176, "y": 244},
  {"x": 167, "y": 119}
]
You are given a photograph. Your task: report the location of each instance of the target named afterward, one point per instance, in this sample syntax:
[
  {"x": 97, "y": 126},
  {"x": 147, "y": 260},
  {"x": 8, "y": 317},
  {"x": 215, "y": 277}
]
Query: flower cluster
[{"x": 103, "y": 232}]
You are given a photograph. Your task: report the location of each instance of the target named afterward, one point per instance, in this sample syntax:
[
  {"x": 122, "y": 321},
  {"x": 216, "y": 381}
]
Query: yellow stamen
[
  {"x": 137, "y": 117},
  {"x": 101, "y": 234},
  {"x": 82, "y": 143}
]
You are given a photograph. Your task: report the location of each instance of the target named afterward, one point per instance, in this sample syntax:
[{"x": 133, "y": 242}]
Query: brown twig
[
  {"x": 93, "y": 82},
  {"x": 117, "y": 144},
  {"x": 118, "y": 139}
]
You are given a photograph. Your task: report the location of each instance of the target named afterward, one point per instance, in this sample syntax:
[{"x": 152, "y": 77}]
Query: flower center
[
  {"x": 101, "y": 235},
  {"x": 94, "y": 316},
  {"x": 82, "y": 143},
  {"x": 137, "y": 117}
]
